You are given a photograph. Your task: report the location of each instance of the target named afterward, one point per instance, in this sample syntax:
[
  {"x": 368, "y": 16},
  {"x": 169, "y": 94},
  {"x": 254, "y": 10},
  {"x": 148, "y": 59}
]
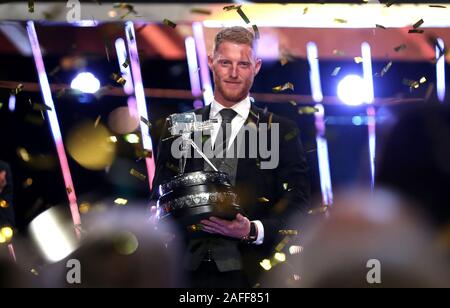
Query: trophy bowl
[{"x": 191, "y": 197}]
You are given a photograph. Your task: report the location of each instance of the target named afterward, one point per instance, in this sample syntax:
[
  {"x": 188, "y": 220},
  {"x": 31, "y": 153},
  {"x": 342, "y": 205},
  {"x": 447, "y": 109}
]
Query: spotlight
[
  {"x": 86, "y": 82},
  {"x": 352, "y": 90}
]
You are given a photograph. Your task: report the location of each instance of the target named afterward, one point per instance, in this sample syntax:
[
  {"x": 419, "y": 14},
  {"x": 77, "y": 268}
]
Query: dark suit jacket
[
  {"x": 273, "y": 196},
  {"x": 7, "y": 215}
]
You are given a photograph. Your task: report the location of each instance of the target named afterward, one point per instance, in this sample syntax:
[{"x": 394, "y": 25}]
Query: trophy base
[{"x": 191, "y": 197}]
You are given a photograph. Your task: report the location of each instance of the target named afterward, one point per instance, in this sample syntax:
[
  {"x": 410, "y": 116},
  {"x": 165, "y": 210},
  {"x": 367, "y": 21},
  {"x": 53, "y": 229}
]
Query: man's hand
[
  {"x": 3, "y": 180},
  {"x": 237, "y": 228}
]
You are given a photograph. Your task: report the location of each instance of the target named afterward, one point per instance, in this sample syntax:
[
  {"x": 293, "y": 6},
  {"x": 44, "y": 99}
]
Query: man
[
  {"x": 229, "y": 253},
  {"x": 6, "y": 192}
]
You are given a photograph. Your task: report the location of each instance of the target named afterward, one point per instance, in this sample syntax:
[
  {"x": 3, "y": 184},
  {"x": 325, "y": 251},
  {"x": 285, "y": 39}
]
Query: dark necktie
[{"x": 223, "y": 137}]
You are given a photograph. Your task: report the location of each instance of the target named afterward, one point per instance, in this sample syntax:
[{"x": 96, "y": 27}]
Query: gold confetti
[
  {"x": 400, "y": 48},
  {"x": 284, "y": 87},
  {"x": 418, "y": 31},
  {"x": 18, "y": 89},
  {"x": 84, "y": 208},
  {"x": 423, "y": 80},
  {"x": 285, "y": 186},
  {"x": 340, "y": 21},
  {"x": 41, "y": 107},
  {"x": 386, "y": 69},
  {"x": 305, "y": 10},
  {"x": 291, "y": 135},
  {"x": 125, "y": 6},
  {"x": 1, "y": 105},
  {"x": 34, "y": 272},
  {"x": 358, "y": 60},
  {"x": 31, "y": 6},
  {"x": 263, "y": 199},
  {"x": 307, "y": 110},
  {"x": 126, "y": 63},
  {"x": 138, "y": 175},
  {"x": 288, "y": 232},
  {"x": 69, "y": 190},
  {"x": 231, "y": 7},
  {"x": 146, "y": 122},
  {"x": 169, "y": 23},
  {"x": 97, "y": 121},
  {"x": 201, "y": 11},
  {"x": 195, "y": 228},
  {"x": 3, "y": 204},
  {"x": 256, "y": 30},
  {"x": 411, "y": 83},
  {"x": 243, "y": 16},
  {"x": 118, "y": 78},
  {"x": 121, "y": 201},
  {"x": 336, "y": 71},
  {"x": 283, "y": 242},
  {"x": 418, "y": 24},
  {"x": 144, "y": 154}
]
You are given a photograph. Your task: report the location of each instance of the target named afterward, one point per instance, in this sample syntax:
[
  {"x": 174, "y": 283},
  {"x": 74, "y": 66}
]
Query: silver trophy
[{"x": 190, "y": 197}]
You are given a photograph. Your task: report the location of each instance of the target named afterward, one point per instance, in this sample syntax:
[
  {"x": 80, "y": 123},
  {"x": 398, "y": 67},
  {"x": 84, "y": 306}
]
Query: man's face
[
  {"x": 234, "y": 68},
  {"x": 3, "y": 181}
]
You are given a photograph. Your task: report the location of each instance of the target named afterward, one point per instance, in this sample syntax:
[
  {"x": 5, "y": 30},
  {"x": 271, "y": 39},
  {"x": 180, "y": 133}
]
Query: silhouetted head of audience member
[
  {"x": 122, "y": 249},
  {"x": 415, "y": 161},
  {"x": 368, "y": 240}
]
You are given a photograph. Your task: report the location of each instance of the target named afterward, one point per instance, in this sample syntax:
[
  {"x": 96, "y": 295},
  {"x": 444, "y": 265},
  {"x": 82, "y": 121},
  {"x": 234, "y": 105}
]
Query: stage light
[
  {"x": 351, "y": 90},
  {"x": 85, "y": 82},
  {"x": 7, "y": 232}
]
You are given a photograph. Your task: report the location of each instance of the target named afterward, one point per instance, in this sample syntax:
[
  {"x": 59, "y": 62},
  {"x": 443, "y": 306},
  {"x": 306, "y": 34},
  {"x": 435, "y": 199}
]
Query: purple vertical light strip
[
  {"x": 200, "y": 43},
  {"x": 194, "y": 77},
  {"x": 321, "y": 141},
  {"x": 140, "y": 97},
  {"x": 440, "y": 70},
  {"x": 54, "y": 124},
  {"x": 122, "y": 55},
  {"x": 371, "y": 124}
]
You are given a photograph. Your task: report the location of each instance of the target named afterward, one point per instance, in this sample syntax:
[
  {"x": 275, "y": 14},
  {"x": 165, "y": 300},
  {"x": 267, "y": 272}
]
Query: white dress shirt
[{"x": 243, "y": 110}]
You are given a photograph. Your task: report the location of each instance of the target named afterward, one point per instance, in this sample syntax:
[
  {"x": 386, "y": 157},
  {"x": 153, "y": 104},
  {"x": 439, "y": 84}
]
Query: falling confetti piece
[
  {"x": 41, "y": 107},
  {"x": 400, "y": 48},
  {"x": 319, "y": 210},
  {"x": 97, "y": 121},
  {"x": 243, "y": 16},
  {"x": 263, "y": 199},
  {"x": 169, "y": 23},
  {"x": 386, "y": 69},
  {"x": 438, "y": 6},
  {"x": 84, "y": 208},
  {"x": 121, "y": 201},
  {"x": 307, "y": 110},
  {"x": 336, "y": 71},
  {"x": 340, "y": 21},
  {"x": 380, "y": 26},
  {"x": 291, "y": 135},
  {"x": 201, "y": 11},
  {"x": 195, "y": 228},
  {"x": 418, "y": 31},
  {"x": 34, "y": 272},
  {"x": 118, "y": 78},
  {"x": 411, "y": 83},
  {"x": 126, "y": 63},
  {"x": 288, "y": 232},
  {"x": 141, "y": 154},
  {"x": 305, "y": 10},
  {"x": 293, "y": 103},
  {"x": 285, "y": 186},
  {"x": 231, "y": 7},
  {"x": 55, "y": 71},
  {"x": 31, "y": 6},
  {"x": 284, "y": 87},
  {"x": 423, "y": 80},
  {"x": 146, "y": 122},
  {"x": 69, "y": 190},
  {"x": 18, "y": 89},
  {"x": 418, "y": 24},
  {"x": 358, "y": 60},
  {"x": 27, "y": 183},
  {"x": 429, "y": 92},
  {"x": 390, "y": 3},
  {"x": 137, "y": 174},
  {"x": 256, "y": 30}
]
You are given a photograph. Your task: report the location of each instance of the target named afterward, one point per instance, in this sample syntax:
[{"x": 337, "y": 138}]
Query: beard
[{"x": 233, "y": 95}]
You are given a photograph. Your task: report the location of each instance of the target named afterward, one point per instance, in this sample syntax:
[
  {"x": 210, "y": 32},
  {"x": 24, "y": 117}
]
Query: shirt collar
[{"x": 242, "y": 108}]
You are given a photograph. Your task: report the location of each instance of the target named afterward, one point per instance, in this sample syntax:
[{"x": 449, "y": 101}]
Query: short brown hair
[{"x": 238, "y": 35}]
